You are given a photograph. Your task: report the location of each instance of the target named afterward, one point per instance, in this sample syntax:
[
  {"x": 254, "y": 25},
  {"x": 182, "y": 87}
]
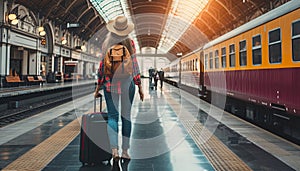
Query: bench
[
  {"x": 31, "y": 80},
  {"x": 13, "y": 80},
  {"x": 40, "y": 78}
]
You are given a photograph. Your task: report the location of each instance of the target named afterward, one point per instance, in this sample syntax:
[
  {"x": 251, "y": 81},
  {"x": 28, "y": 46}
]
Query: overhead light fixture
[
  {"x": 179, "y": 54},
  {"x": 13, "y": 19},
  {"x": 42, "y": 33},
  {"x": 63, "y": 41},
  {"x": 14, "y": 22},
  {"x": 41, "y": 28},
  {"x": 12, "y": 16},
  {"x": 83, "y": 48}
]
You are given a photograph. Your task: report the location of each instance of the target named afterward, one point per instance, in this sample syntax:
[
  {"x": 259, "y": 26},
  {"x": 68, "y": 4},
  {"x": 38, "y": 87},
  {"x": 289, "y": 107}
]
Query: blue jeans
[{"x": 112, "y": 103}]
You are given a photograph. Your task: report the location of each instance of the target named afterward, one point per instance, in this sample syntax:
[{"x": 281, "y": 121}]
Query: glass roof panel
[
  {"x": 105, "y": 7},
  {"x": 181, "y": 15},
  {"x": 110, "y": 9}
]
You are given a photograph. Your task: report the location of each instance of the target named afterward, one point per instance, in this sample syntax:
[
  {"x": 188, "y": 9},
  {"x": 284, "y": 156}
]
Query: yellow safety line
[
  {"x": 221, "y": 157},
  {"x": 38, "y": 157}
]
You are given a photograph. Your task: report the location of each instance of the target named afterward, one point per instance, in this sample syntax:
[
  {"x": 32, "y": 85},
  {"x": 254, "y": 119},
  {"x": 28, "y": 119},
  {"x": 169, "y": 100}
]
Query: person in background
[
  {"x": 151, "y": 74},
  {"x": 161, "y": 74},
  {"x": 156, "y": 78},
  {"x": 115, "y": 89}
]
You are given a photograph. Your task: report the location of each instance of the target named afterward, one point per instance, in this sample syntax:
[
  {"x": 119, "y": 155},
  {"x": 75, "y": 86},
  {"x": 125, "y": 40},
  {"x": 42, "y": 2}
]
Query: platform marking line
[
  {"x": 282, "y": 149},
  {"x": 221, "y": 157},
  {"x": 38, "y": 157}
]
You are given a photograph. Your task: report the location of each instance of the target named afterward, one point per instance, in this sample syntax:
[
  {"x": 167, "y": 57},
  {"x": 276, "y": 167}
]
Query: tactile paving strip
[
  {"x": 221, "y": 157},
  {"x": 38, "y": 157}
]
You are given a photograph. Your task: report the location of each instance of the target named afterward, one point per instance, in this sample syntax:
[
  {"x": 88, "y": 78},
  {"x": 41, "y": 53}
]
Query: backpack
[{"x": 118, "y": 62}]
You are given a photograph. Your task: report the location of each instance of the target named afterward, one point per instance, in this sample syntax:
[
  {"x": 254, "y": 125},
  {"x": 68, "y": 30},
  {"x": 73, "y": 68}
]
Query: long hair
[{"x": 113, "y": 39}]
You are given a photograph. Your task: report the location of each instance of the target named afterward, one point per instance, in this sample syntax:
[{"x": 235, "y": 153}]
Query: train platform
[
  {"x": 172, "y": 131},
  {"x": 22, "y": 90}
]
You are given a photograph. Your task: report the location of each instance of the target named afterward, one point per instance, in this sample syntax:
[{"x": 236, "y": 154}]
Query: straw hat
[{"x": 120, "y": 26}]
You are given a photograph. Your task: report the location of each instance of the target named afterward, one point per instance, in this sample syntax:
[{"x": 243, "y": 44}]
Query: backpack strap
[
  {"x": 122, "y": 58},
  {"x": 124, "y": 53},
  {"x": 111, "y": 58}
]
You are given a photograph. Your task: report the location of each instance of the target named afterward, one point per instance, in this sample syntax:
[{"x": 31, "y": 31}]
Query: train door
[
  {"x": 179, "y": 70},
  {"x": 201, "y": 80}
]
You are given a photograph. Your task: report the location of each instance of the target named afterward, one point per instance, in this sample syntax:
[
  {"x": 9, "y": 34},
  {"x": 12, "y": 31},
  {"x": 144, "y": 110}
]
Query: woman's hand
[
  {"x": 141, "y": 93},
  {"x": 96, "y": 94}
]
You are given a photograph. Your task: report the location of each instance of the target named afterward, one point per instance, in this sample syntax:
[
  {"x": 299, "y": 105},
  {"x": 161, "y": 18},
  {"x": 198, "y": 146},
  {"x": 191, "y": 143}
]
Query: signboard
[
  {"x": 76, "y": 55},
  {"x": 72, "y": 25}
]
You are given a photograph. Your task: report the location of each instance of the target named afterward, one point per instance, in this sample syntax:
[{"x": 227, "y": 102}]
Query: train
[{"x": 253, "y": 71}]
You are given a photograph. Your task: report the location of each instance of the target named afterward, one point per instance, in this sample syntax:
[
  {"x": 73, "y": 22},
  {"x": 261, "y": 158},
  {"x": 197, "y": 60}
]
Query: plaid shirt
[{"x": 116, "y": 86}]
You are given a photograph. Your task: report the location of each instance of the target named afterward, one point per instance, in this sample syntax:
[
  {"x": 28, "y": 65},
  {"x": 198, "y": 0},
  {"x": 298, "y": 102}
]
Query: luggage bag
[
  {"x": 94, "y": 142},
  {"x": 151, "y": 84}
]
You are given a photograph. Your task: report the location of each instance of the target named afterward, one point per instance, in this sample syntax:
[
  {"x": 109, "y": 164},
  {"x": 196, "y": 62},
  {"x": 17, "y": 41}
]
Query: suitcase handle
[{"x": 98, "y": 96}]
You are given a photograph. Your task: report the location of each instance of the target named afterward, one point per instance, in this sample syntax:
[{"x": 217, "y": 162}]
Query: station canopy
[{"x": 169, "y": 26}]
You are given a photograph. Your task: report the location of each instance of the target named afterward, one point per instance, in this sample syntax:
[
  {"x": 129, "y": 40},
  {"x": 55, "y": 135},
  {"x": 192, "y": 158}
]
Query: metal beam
[
  {"x": 91, "y": 20},
  {"x": 218, "y": 21},
  {"x": 68, "y": 8},
  {"x": 54, "y": 7},
  {"x": 83, "y": 13},
  {"x": 208, "y": 26},
  {"x": 227, "y": 10}
]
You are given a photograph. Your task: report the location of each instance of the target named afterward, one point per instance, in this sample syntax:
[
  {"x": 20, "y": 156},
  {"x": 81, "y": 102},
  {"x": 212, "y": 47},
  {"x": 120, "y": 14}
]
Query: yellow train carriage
[
  {"x": 253, "y": 39},
  {"x": 190, "y": 70},
  {"x": 257, "y": 66}
]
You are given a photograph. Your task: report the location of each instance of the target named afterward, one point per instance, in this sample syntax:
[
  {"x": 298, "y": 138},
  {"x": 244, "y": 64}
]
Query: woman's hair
[{"x": 113, "y": 39}]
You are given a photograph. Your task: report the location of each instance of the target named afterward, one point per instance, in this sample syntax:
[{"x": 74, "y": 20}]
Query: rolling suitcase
[
  {"x": 94, "y": 142},
  {"x": 151, "y": 84}
]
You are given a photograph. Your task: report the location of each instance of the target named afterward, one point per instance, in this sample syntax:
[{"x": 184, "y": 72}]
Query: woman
[{"x": 115, "y": 88}]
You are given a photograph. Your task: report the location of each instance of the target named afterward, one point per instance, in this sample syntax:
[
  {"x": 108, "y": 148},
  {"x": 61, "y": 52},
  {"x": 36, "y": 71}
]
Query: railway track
[{"x": 39, "y": 103}]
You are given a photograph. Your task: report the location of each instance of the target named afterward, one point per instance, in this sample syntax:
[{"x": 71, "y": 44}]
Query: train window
[
  {"x": 186, "y": 66},
  {"x": 217, "y": 59},
  {"x": 211, "y": 60},
  {"x": 243, "y": 53},
  {"x": 275, "y": 46},
  {"x": 196, "y": 65},
  {"x": 296, "y": 40},
  {"x": 231, "y": 55},
  {"x": 256, "y": 41},
  {"x": 256, "y": 50},
  {"x": 223, "y": 57},
  {"x": 206, "y": 61}
]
